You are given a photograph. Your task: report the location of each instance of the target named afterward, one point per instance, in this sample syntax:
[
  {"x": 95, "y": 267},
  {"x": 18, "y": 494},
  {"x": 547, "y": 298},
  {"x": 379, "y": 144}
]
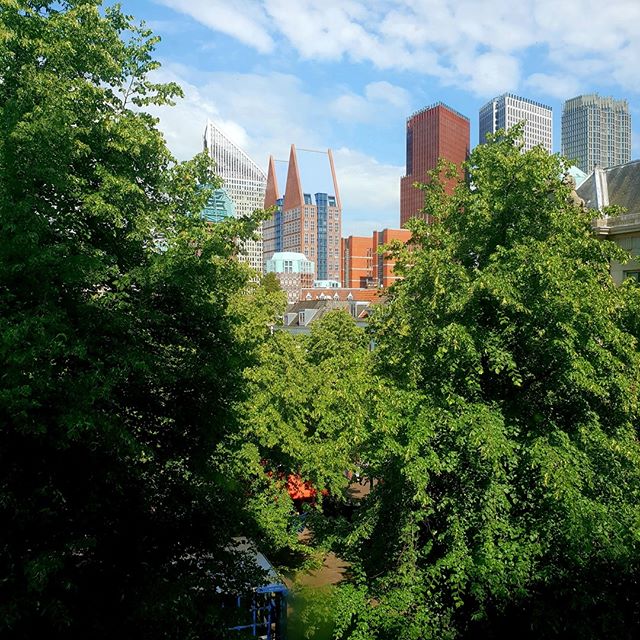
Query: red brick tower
[{"x": 432, "y": 133}]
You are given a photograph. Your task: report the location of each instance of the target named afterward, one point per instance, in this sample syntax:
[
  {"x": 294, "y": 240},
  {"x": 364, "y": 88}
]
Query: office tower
[
  {"x": 243, "y": 181},
  {"x": 507, "y": 110},
  {"x": 432, "y": 133},
  {"x": 308, "y": 214},
  {"x": 363, "y": 265},
  {"x": 596, "y": 131}
]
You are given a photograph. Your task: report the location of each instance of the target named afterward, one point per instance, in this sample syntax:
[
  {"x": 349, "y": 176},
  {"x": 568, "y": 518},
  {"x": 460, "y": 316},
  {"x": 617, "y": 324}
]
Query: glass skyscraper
[{"x": 596, "y": 131}]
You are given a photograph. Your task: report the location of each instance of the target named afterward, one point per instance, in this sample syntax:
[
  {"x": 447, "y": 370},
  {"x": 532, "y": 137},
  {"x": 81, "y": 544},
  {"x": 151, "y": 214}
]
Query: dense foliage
[
  {"x": 510, "y": 470},
  {"x": 149, "y": 412},
  {"x": 306, "y": 413},
  {"x": 123, "y": 335}
]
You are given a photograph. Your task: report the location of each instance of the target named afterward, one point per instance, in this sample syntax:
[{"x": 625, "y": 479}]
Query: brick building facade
[
  {"x": 432, "y": 133},
  {"x": 363, "y": 266}
]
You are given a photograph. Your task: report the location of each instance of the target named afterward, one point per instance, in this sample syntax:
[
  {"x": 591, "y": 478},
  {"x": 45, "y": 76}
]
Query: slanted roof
[
  {"x": 578, "y": 174},
  {"x": 622, "y": 187},
  {"x": 623, "y": 182},
  {"x": 230, "y": 160}
]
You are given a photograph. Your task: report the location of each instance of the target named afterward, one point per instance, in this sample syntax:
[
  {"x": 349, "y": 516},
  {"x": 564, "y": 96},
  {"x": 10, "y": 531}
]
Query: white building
[
  {"x": 507, "y": 110},
  {"x": 243, "y": 180},
  {"x": 596, "y": 131}
]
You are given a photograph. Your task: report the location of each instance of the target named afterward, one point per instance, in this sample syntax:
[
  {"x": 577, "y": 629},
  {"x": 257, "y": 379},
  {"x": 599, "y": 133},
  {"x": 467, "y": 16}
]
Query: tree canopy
[
  {"x": 509, "y": 469},
  {"x": 123, "y": 341},
  {"x": 150, "y": 413}
]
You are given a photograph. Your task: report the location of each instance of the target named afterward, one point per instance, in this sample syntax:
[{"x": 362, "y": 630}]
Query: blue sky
[{"x": 345, "y": 74}]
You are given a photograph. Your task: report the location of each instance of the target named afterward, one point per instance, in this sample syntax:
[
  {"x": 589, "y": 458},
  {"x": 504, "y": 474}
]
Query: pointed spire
[
  {"x": 335, "y": 180},
  {"x": 272, "y": 193},
  {"x": 293, "y": 191}
]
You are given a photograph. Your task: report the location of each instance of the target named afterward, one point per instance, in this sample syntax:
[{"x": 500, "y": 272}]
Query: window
[{"x": 633, "y": 275}]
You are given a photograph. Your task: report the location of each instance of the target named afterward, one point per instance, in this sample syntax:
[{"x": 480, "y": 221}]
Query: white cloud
[
  {"x": 351, "y": 107},
  {"x": 264, "y": 114},
  {"x": 477, "y": 45},
  {"x": 387, "y": 92},
  {"x": 557, "y": 86},
  {"x": 381, "y": 100},
  {"x": 488, "y": 74},
  {"x": 242, "y": 19}
]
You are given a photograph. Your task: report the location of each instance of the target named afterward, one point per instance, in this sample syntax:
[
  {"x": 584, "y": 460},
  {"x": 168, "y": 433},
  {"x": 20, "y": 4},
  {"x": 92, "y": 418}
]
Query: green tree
[
  {"x": 270, "y": 282},
  {"x": 121, "y": 341},
  {"x": 508, "y": 454},
  {"x": 306, "y": 413}
]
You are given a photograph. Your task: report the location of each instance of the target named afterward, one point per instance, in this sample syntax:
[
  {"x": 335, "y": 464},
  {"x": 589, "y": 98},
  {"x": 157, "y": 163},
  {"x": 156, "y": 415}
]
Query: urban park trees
[
  {"x": 509, "y": 471},
  {"x": 121, "y": 338},
  {"x": 146, "y": 409}
]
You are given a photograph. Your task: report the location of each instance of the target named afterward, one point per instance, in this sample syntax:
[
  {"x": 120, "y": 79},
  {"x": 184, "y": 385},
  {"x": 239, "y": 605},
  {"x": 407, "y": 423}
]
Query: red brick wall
[
  {"x": 356, "y": 261},
  {"x": 384, "y": 264}
]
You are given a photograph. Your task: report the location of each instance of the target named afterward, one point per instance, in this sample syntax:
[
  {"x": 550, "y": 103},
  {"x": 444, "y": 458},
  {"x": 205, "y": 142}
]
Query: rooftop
[
  {"x": 622, "y": 187},
  {"x": 289, "y": 255},
  {"x": 433, "y": 106},
  {"x": 515, "y": 97}
]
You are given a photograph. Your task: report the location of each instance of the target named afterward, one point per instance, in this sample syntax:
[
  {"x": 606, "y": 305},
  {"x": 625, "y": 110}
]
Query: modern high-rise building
[
  {"x": 507, "y": 110},
  {"x": 308, "y": 212},
  {"x": 244, "y": 183},
  {"x": 434, "y": 132},
  {"x": 596, "y": 131}
]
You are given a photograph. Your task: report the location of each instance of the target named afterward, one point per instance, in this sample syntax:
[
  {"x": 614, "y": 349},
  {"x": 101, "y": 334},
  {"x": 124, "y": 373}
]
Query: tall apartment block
[
  {"x": 243, "y": 181},
  {"x": 308, "y": 212},
  {"x": 507, "y": 110},
  {"x": 434, "y": 132},
  {"x": 596, "y": 131},
  {"x": 364, "y": 265}
]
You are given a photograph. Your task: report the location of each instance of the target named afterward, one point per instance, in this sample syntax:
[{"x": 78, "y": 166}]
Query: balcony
[{"x": 617, "y": 225}]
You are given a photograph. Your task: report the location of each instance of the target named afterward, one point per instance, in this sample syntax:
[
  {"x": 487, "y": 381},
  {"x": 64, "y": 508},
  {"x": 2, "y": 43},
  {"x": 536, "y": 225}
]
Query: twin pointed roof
[{"x": 307, "y": 171}]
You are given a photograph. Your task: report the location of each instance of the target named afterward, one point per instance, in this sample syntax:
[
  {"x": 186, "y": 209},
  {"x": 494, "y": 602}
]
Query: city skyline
[
  {"x": 347, "y": 75},
  {"x": 307, "y": 216}
]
